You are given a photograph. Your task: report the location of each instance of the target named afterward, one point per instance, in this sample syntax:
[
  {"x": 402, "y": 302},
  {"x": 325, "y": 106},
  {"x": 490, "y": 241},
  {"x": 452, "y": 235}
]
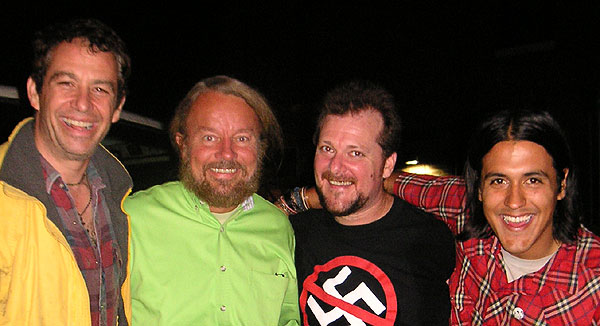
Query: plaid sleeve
[{"x": 443, "y": 197}]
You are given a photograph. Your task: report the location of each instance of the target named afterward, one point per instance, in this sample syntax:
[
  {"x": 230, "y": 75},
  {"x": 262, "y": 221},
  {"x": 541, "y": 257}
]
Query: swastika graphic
[
  {"x": 343, "y": 306},
  {"x": 361, "y": 292}
]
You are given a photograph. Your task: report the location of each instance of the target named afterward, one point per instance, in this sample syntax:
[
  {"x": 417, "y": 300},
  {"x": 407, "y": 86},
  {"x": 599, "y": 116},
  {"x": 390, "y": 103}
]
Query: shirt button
[
  {"x": 223, "y": 308},
  {"x": 222, "y": 229},
  {"x": 223, "y": 268},
  {"x": 518, "y": 313}
]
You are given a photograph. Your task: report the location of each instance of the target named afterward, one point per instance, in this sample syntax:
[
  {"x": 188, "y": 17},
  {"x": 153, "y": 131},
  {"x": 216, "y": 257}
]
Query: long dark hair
[{"x": 535, "y": 126}]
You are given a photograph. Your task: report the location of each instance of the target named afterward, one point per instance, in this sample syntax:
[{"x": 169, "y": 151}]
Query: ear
[
  {"x": 389, "y": 165},
  {"x": 562, "y": 191},
  {"x": 32, "y": 94},
  {"x": 180, "y": 140},
  {"x": 479, "y": 195},
  {"x": 117, "y": 112}
]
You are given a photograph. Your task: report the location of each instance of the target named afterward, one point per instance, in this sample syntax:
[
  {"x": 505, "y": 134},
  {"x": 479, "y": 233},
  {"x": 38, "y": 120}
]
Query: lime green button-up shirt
[{"x": 188, "y": 269}]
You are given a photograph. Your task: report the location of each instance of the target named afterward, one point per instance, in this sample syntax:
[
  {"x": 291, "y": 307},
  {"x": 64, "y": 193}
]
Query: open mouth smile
[
  {"x": 224, "y": 171},
  {"x": 340, "y": 183},
  {"x": 78, "y": 124},
  {"x": 523, "y": 219}
]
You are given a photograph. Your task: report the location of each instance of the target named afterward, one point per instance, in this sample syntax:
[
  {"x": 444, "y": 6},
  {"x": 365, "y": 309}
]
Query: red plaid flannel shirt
[
  {"x": 99, "y": 265},
  {"x": 566, "y": 291}
]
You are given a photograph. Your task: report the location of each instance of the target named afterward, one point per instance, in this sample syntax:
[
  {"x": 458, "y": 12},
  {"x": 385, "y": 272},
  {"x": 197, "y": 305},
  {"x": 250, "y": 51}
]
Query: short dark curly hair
[
  {"x": 100, "y": 38},
  {"x": 362, "y": 95}
]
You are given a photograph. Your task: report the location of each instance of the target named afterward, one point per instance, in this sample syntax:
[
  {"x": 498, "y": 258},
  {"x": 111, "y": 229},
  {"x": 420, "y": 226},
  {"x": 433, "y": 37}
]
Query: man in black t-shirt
[{"x": 368, "y": 258}]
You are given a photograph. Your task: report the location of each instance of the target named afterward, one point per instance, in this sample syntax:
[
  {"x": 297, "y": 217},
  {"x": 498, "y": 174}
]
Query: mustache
[{"x": 328, "y": 175}]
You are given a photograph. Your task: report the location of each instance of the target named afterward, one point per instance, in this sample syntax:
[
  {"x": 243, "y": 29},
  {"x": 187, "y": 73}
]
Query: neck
[
  {"x": 221, "y": 210},
  {"x": 550, "y": 249},
  {"x": 71, "y": 169},
  {"x": 71, "y": 172},
  {"x": 369, "y": 214}
]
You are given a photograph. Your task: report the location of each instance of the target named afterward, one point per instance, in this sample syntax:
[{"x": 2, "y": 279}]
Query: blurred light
[
  {"x": 413, "y": 162},
  {"x": 9, "y": 92},
  {"x": 424, "y": 169},
  {"x": 139, "y": 119}
]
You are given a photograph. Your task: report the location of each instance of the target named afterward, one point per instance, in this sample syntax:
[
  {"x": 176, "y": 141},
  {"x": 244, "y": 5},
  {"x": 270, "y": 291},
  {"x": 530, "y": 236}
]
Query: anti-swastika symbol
[
  {"x": 343, "y": 306},
  {"x": 361, "y": 292}
]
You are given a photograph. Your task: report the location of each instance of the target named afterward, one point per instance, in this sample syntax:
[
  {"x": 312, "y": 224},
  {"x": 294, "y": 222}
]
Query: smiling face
[
  {"x": 77, "y": 104},
  {"x": 349, "y": 165},
  {"x": 220, "y": 150},
  {"x": 519, "y": 191}
]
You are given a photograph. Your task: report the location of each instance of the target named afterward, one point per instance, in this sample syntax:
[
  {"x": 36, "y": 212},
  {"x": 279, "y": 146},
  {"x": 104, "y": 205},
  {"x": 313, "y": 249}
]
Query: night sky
[{"x": 447, "y": 63}]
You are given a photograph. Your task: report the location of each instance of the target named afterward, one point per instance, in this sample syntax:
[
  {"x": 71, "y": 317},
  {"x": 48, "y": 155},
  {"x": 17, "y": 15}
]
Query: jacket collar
[{"x": 21, "y": 168}]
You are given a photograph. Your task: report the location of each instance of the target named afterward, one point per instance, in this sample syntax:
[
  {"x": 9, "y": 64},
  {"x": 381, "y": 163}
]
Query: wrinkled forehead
[
  {"x": 367, "y": 124},
  {"x": 219, "y": 110}
]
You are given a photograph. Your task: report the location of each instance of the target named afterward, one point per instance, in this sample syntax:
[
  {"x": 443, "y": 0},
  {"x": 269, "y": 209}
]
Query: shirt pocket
[
  {"x": 269, "y": 287},
  {"x": 267, "y": 295},
  {"x": 463, "y": 310}
]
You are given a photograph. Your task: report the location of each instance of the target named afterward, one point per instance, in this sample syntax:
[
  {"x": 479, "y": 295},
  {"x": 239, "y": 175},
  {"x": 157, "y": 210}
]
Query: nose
[
  {"x": 82, "y": 100},
  {"x": 336, "y": 163},
  {"x": 514, "y": 197},
  {"x": 226, "y": 151}
]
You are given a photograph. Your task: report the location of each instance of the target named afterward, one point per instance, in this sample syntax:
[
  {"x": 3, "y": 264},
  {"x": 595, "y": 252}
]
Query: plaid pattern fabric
[
  {"x": 99, "y": 265},
  {"x": 442, "y": 196},
  {"x": 566, "y": 291}
]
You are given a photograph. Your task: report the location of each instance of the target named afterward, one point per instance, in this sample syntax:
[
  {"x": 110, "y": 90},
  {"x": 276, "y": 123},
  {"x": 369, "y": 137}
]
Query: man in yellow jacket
[{"x": 63, "y": 234}]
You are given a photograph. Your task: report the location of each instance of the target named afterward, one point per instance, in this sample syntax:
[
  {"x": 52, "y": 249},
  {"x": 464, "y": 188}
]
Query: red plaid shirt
[
  {"x": 99, "y": 264},
  {"x": 566, "y": 291}
]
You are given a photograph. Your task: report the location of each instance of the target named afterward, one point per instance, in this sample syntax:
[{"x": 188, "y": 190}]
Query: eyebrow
[
  {"x": 244, "y": 130},
  {"x": 350, "y": 147},
  {"x": 528, "y": 174}
]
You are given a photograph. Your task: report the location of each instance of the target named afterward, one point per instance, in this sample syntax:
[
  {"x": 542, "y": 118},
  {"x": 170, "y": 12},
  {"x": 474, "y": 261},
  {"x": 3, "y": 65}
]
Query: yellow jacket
[{"x": 40, "y": 282}]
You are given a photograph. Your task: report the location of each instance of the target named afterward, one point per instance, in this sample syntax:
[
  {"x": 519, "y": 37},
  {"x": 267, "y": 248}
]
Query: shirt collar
[
  {"x": 559, "y": 273},
  {"x": 52, "y": 175}
]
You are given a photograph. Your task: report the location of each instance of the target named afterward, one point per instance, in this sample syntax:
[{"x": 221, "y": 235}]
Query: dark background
[{"x": 447, "y": 63}]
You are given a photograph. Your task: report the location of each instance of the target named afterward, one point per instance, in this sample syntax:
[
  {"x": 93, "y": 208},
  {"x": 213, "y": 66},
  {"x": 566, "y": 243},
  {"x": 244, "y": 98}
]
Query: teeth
[
  {"x": 223, "y": 170},
  {"x": 516, "y": 219},
  {"x": 340, "y": 183},
  {"x": 80, "y": 124}
]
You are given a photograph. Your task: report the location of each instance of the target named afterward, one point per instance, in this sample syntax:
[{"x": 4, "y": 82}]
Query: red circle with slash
[{"x": 366, "y": 316}]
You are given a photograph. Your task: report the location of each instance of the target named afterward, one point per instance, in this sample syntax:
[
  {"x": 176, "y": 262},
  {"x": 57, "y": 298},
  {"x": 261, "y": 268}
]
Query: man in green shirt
[{"x": 207, "y": 250}]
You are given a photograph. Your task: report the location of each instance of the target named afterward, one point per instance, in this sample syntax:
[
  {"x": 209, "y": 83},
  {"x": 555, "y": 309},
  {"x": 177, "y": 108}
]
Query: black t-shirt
[{"x": 389, "y": 272}]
